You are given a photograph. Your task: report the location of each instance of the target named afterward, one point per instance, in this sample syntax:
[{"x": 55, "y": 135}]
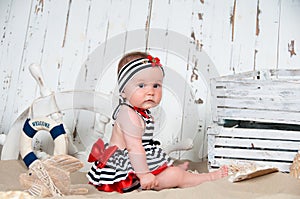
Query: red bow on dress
[
  {"x": 141, "y": 111},
  {"x": 99, "y": 153}
]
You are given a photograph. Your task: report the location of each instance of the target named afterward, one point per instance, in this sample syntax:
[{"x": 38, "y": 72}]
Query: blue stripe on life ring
[
  {"x": 28, "y": 130},
  {"x": 29, "y": 159},
  {"x": 57, "y": 131}
]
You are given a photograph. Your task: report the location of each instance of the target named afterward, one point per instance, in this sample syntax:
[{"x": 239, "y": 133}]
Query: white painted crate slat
[
  {"x": 251, "y": 104},
  {"x": 270, "y": 134},
  {"x": 259, "y": 115},
  {"x": 257, "y": 143},
  {"x": 254, "y": 154},
  {"x": 282, "y": 166},
  {"x": 258, "y": 96},
  {"x": 268, "y": 97},
  {"x": 263, "y": 146}
]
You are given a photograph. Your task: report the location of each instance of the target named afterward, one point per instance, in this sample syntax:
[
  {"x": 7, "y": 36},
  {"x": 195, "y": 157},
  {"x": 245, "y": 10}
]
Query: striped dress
[{"x": 118, "y": 174}]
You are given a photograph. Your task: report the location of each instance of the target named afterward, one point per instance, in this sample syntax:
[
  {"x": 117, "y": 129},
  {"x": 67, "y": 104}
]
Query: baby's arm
[
  {"x": 132, "y": 127},
  {"x": 138, "y": 161}
]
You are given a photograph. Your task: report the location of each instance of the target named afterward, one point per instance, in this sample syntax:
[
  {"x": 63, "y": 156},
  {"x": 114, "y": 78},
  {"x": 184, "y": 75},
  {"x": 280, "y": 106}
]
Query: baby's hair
[{"x": 129, "y": 57}]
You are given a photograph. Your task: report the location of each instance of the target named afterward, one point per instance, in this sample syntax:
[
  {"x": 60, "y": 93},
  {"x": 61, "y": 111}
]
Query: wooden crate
[{"x": 256, "y": 117}]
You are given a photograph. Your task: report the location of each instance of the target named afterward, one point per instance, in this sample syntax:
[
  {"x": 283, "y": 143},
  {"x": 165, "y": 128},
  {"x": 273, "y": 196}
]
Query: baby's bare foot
[{"x": 220, "y": 173}]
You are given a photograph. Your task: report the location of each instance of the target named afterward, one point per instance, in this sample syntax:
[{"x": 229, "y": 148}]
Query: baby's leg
[
  {"x": 184, "y": 165},
  {"x": 176, "y": 177}
]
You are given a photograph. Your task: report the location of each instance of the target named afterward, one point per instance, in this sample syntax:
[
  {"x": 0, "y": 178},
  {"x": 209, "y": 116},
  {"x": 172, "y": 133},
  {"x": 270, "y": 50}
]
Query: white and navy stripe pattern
[
  {"x": 116, "y": 169},
  {"x": 118, "y": 166},
  {"x": 131, "y": 68},
  {"x": 30, "y": 128}
]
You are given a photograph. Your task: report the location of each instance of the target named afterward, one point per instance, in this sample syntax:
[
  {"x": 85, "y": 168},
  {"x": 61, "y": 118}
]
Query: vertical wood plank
[
  {"x": 244, "y": 36},
  {"x": 194, "y": 109},
  {"x": 289, "y": 35},
  {"x": 12, "y": 43},
  {"x": 74, "y": 43},
  {"x": 266, "y": 42},
  {"x": 97, "y": 25},
  {"x": 217, "y": 33},
  {"x": 142, "y": 9},
  {"x": 5, "y": 9},
  {"x": 54, "y": 53}
]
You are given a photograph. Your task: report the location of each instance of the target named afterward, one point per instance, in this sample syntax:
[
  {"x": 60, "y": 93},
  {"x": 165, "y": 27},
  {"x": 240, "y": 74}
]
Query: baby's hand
[{"x": 148, "y": 181}]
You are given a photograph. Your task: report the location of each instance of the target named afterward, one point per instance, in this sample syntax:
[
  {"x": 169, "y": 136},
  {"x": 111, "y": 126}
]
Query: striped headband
[{"x": 130, "y": 69}]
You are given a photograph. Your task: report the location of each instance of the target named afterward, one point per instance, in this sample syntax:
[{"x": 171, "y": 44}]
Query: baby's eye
[
  {"x": 156, "y": 85},
  {"x": 141, "y": 85}
]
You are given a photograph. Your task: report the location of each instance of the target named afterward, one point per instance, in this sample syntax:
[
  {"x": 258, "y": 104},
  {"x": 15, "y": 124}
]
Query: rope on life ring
[{"x": 31, "y": 127}]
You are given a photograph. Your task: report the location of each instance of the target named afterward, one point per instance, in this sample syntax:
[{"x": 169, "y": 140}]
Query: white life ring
[{"x": 31, "y": 127}]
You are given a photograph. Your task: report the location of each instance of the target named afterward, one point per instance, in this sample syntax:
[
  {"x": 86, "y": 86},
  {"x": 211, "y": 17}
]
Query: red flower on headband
[{"x": 155, "y": 61}]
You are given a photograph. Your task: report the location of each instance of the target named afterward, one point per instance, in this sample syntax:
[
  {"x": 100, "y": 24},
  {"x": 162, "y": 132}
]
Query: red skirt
[{"x": 129, "y": 184}]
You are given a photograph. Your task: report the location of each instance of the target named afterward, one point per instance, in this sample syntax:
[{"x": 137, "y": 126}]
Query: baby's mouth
[{"x": 149, "y": 100}]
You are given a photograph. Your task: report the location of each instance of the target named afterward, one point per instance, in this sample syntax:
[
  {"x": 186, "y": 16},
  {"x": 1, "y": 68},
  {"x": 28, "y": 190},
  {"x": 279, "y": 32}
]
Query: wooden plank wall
[{"x": 59, "y": 35}]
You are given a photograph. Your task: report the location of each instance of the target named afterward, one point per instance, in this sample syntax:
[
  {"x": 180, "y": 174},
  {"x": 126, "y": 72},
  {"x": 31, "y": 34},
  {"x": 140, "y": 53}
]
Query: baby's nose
[{"x": 150, "y": 90}]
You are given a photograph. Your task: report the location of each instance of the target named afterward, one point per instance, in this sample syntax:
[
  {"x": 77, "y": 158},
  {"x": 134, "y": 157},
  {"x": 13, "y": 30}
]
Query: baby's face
[{"x": 144, "y": 90}]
